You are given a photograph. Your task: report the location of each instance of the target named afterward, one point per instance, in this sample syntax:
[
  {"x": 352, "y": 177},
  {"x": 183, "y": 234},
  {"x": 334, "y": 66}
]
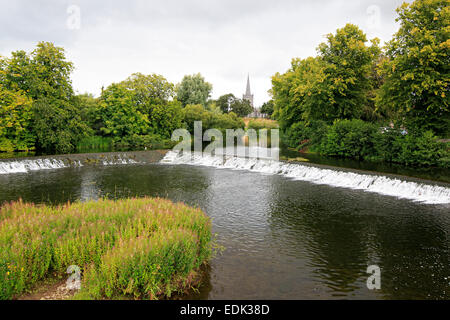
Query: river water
[{"x": 289, "y": 232}]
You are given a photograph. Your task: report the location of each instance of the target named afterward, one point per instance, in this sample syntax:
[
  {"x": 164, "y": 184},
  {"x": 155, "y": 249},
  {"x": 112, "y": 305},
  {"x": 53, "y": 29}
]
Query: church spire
[{"x": 248, "y": 92}]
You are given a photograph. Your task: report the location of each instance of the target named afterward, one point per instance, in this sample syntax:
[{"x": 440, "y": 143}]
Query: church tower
[{"x": 248, "y": 93}]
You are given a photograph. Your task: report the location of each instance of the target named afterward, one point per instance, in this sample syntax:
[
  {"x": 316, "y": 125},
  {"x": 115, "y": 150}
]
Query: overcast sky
[{"x": 223, "y": 40}]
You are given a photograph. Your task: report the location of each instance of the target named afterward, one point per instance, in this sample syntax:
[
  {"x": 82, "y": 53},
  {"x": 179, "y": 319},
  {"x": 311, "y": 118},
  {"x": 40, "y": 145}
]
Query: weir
[
  {"x": 397, "y": 187},
  {"x": 58, "y": 162}
]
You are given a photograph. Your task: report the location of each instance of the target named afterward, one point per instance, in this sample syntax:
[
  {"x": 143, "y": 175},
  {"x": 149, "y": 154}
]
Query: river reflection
[{"x": 283, "y": 239}]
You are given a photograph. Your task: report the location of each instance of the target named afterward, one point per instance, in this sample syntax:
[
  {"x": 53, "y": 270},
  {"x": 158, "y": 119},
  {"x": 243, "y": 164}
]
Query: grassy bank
[{"x": 142, "y": 248}]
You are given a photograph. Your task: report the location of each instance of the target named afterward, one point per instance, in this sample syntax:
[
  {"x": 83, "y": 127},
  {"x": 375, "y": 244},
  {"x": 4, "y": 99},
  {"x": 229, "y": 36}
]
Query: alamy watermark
[
  {"x": 374, "y": 280},
  {"x": 373, "y": 17},
  {"x": 74, "y": 280},
  {"x": 74, "y": 17},
  {"x": 261, "y": 144}
]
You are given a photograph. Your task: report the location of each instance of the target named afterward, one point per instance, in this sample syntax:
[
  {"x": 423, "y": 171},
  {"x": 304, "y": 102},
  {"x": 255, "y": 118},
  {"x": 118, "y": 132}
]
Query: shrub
[
  {"x": 421, "y": 149},
  {"x": 301, "y": 133},
  {"x": 350, "y": 138},
  {"x": 210, "y": 120},
  {"x": 37, "y": 240}
]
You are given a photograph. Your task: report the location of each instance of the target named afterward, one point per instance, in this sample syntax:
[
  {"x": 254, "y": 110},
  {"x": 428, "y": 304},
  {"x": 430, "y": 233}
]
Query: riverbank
[{"x": 145, "y": 248}]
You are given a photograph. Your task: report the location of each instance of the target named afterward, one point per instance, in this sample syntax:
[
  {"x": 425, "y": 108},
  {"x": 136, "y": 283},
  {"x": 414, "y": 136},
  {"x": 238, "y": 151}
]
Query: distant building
[
  {"x": 248, "y": 94},
  {"x": 250, "y": 98}
]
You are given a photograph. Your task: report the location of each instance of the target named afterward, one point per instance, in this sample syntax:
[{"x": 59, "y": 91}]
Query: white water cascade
[
  {"x": 421, "y": 192},
  {"x": 119, "y": 160},
  {"x": 24, "y": 166}
]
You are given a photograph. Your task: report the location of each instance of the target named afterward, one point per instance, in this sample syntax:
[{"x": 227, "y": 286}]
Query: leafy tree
[
  {"x": 229, "y": 103},
  {"x": 214, "y": 108},
  {"x": 149, "y": 90},
  {"x": 224, "y": 102},
  {"x": 192, "y": 113},
  {"x": 15, "y": 121},
  {"x": 348, "y": 63},
  {"x": 57, "y": 125},
  {"x": 210, "y": 120},
  {"x": 88, "y": 108},
  {"x": 333, "y": 85},
  {"x": 241, "y": 107},
  {"x": 417, "y": 71},
  {"x": 193, "y": 90},
  {"x": 302, "y": 93},
  {"x": 166, "y": 118},
  {"x": 44, "y": 76},
  {"x": 267, "y": 108},
  {"x": 120, "y": 113}
]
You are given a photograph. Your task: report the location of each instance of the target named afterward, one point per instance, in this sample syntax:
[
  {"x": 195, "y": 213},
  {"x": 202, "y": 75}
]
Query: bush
[
  {"x": 301, "y": 134},
  {"x": 350, "y": 138},
  {"x": 210, "y": 120},
  {"x": 362, "y": 140},
  {"x": 421, "y": 150},
  {"x": 38, "y": 240},
  {"x": 227, "y": 121}
]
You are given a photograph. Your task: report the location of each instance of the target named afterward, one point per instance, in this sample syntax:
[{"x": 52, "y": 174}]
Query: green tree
[
  {"x": 241, "y": 107},
  {"x": 89, "y": 110},
  {"x": 193, "y": 90},
  {"x": 302, "y": 93},
  {"x": 15, "y": 121},
  {"x": 224, "y": 102},
  {"x": 267, "y": 108},
  {"x": 348, "y": 63},
  {"x": 417, "y": 71},
  {"x": 334, "y": 85},
  {"x": 166, "y": 118},
  {"x": 192, "y": 113},
  {"x": 120, "y": 113},
  {"x": 44, "y": 76},
  {"x": 149, "y": 90}
]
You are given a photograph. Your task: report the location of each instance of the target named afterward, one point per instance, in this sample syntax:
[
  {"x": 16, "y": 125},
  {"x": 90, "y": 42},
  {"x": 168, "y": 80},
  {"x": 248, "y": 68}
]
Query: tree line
[
  {"x": 355, "y": 94},
  {"x": 40, "y": 111}
]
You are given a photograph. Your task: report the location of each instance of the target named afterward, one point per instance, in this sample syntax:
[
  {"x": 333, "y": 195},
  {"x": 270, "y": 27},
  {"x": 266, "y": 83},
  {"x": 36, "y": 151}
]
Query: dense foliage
[
  {"x": 417, "y": 73},
  {"x": 229, "y": 103},
  {"x": 341, "y": 102},
  {"x": 193, "y": 90},
  {"x": 42, "y": 78},
  {"x": 268, "y": 108},
  {"x": 210, "y": 120},
  {"x": 367, "y": 141},
  {"x": 334, "y": 85},
  {"x": 142, "y": 248},
  {"x": 39, "y": 110}
]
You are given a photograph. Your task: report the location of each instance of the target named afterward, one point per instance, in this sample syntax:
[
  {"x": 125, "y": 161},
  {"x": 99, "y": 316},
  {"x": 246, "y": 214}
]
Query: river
[{"x": 287, "y": 233}]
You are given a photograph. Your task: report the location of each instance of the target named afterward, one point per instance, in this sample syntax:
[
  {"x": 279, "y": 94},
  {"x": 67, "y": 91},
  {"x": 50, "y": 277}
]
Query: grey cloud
[{"x": 221, "y": 39}]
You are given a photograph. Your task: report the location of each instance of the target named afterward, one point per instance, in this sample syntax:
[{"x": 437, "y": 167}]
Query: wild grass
[
  {"x": 258, "y": 124},
  {"x": 135, "y": 247}
]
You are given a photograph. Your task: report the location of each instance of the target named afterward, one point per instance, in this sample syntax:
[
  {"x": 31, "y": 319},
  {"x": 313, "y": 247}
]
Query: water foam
[
  {"x": 422, "y": 192},
  {"x": 24, "y": 166}
]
